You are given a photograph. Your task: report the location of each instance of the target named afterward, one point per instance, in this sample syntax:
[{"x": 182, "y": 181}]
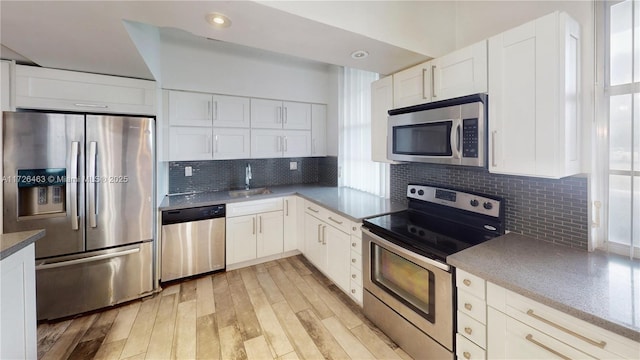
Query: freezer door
[
  {"x": 41, "y": 152},
  {"x": 119, "y": 186}
]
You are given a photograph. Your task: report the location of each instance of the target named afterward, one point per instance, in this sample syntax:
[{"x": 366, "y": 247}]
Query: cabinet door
[
  {"x": 314, "y": 250},
  {"x": 241, "y": 239},
  {"x": 318, "y": 130},
  {"x": 296, "y": 116},
  {"x": 462, "y": 72},
  {"x": 189, "y": 109},
  {"x": 190, "y": 143},
  {"x": 296, "y": 143},
  {"x": 412, "y": 86},
  {"x": 381, "y": 103},
  {"x": 266, "y": 143},
  {"x": 291, "y": 234},
  {"x": 270, "y": 233},
  {"x": 266, "y": 114},
  {"x": 229, "y": 143},
  {"x": 230, "y": 111},
  {"x": 338, "y": 256}
]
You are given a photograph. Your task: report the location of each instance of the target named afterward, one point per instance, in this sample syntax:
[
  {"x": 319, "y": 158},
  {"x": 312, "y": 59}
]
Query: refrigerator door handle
[
  {"x": 93, "y": 183},
  {"x": 75, "y": 146},
  {"x": 87, "y": 259}
]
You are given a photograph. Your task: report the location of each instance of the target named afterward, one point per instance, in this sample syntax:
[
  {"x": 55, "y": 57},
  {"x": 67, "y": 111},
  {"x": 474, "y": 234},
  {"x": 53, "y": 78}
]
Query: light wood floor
[{"x": 284, "y": 309}]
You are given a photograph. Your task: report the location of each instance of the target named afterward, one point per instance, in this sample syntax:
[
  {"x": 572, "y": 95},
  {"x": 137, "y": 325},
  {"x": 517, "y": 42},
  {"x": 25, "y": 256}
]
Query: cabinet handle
[
  {"x": 466, "y": 355},
  {"x": 216, "y": 143},
  {"x": 286, "y": 115},
  {"x": 353, "y": 261},
  {"x": 253, "y": 221},
  {"x": 312, "y": 209},
  {"x": 260, "y": 224},
  {"x": 424, "y": 77},
  {"x": 467, "y": 306},
  {"x": 600, "y": 344},
  {"x": 353, "y": 291},
  {"x": 324, "y": 235},
  {"x": 353, "y": 276},
  {"x": 285, "y": 144},
  {"x": 279, "y": 118},
  {"x": 335, "y": 221},
  {"x": 286, "y": 207},
  {"x": 433, "y": 81},
  {"x": 353, "y": 244},
  {"x": 92, "y": 105},
  {"x": 467, "y": 282},
  {"x": 320, "y": 233},
  {"x": 354, "y": 228},
  {"x": 493, "y": 149},
  {"x": 468, "y": 330},
  {"x": 530, "y": 338}
]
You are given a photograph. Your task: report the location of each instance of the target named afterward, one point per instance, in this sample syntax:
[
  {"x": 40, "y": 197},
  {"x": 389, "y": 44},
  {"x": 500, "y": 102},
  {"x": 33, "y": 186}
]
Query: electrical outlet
[
  {"x": 188, "y": 171},
  {"x": 293, "y": 165}
]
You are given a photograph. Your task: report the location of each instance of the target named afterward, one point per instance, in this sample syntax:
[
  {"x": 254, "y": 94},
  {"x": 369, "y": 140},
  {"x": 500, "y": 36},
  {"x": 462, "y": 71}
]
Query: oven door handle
[{"x": 402, "y": 251}]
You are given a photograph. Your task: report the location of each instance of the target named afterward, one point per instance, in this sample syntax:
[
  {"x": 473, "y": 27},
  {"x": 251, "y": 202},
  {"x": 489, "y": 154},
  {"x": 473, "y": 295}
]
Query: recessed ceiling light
[
  {"x": 218, "y": 20},
  {"x": 359, "y": 54}
]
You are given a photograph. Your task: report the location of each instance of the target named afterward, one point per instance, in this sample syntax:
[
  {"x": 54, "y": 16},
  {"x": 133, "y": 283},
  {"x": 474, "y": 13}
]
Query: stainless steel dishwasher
[{"x": 193, "y": 241}]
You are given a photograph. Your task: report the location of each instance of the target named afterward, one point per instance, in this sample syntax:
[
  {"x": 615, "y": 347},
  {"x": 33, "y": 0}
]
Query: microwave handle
[{"x": 456, "y": 134}]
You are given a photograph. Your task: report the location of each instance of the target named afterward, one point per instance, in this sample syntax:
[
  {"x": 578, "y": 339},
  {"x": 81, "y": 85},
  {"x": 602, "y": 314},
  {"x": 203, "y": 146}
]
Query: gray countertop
[
  {"x": 14, "y": 242},
  {"x": 351, "y": 203},
  {"x": 597, "y": 287}
]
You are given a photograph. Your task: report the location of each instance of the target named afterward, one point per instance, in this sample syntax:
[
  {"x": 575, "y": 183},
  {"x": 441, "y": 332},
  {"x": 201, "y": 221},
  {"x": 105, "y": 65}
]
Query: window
[
  {"x": 356, "y": 168},
  {"x": 618, "y": 133}
]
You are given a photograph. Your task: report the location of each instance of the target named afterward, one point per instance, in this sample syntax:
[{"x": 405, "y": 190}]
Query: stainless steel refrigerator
[{"x": 87, "y": 180}]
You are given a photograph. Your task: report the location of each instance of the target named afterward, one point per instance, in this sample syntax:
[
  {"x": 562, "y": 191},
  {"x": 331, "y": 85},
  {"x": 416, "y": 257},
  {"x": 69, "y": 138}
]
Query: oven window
[
  {"x": 404, "y": 280},
  {"x": 431, "y": 139}
]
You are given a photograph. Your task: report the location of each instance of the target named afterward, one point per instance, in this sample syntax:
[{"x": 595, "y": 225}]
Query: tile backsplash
[
  {"x": 217, "y": 175},
  {"x": 547, "y": 209}
]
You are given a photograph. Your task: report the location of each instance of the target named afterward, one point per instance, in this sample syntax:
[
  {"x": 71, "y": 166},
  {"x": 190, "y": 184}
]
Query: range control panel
[{"x": 455, "y": 199}]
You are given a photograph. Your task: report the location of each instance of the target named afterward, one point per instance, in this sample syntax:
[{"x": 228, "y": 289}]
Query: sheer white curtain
[{"x": 357, "y": 169}]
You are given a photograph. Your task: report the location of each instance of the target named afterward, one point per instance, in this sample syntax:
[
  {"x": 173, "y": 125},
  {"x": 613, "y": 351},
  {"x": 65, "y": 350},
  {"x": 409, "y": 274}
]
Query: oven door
[{"x": 416, "y": 287}]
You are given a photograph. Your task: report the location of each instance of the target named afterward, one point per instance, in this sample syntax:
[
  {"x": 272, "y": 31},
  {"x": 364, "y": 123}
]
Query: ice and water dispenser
[{"x": 41, "y": 192}]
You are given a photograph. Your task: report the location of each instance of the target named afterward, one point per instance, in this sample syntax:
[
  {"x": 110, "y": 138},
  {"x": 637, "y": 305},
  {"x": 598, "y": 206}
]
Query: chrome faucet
[{"x": 247, "y": 176}]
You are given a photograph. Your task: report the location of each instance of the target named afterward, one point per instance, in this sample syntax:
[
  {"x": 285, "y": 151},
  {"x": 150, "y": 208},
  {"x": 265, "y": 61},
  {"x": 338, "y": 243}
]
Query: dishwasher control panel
[{"x": 193, "y": 214}]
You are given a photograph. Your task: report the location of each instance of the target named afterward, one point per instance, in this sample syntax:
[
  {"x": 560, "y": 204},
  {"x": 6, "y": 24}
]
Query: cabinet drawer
[
  {"x": 315, "y": 210},
  {"x": 467, "y": 350},
  {"x": 356, "y": 275},
  {"x": 253, "y": 207},
  {"x": 356, "y": 244},
  {"x": 472, "y": 329},
  {"x": 340, "y": 222},
  {"x": 580, "y": 334},
  {"x": 472, "y": 306},
  {"x": 356, "y": 292},
  {"x": 356, "y": 260},
  {"x": 470, "y": 283}
]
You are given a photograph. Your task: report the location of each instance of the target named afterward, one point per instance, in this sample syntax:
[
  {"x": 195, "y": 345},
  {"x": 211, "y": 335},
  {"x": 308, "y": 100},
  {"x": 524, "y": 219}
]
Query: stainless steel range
[{"x": 409, "y": 287}]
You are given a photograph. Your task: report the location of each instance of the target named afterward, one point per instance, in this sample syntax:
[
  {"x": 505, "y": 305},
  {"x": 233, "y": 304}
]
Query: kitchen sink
[{"x": 250, "y": 192}]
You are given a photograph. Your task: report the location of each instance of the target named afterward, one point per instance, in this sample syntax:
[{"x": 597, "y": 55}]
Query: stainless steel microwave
[{"x": 450, "y": 132}]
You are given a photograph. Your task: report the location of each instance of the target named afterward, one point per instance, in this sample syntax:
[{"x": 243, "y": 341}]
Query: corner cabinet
[
  {"x": 534, "y": 92},
  {"x": 52, "y": 89}
]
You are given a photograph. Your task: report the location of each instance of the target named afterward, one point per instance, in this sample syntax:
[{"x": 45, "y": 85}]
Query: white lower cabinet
[
  {"x": 471, "y": 317},
  {"x": 254, "y": 230},
  {"x": 291, "y": 224},
  {"x": 328, "y": 245},
  {"x": 18, "y": 339},
  {"x": 356, "y": 263}
]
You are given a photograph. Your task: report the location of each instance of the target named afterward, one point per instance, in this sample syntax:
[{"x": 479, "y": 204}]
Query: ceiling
[{"x": 91, "y": 36}]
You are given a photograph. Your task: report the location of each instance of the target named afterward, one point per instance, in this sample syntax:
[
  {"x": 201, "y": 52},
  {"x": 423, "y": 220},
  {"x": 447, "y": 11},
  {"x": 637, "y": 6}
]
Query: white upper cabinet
[
  {"x": 230, "y": 143},
  {"x": 412, "y": 86},
  {"x": 198, "y": 109},
  {"x": 381, "y": 103},
  {"x": 534, "y": 92},
  {"x": 462, "y": 72},
  {"x": 275, "y": 114},
  {"x": 278, "y": 143},
  {"x": 52, "y": 89},
  {"x": 7, "y": 69},
  {"x": 190, "y": 143},
  {"x": 318, "y": 130}
]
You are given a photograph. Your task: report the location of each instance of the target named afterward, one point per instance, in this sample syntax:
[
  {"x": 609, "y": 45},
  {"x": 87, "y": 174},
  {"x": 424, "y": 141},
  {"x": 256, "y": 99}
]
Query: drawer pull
[
  {"x": 600, "y": 344},
  {"x": 312, "y": 209},
  {"x": 467, "y": 282},
  {"x": 353, "y": 261},
  {"x": 335, "y": 221},
  {"x": 467, "y": 306},
  {"x": 354, "y": 228},
  {"x": 530, "y": 338},
  {"x": 468, "y": 330},
  {"x": 353, "y": 276},
  {"x": 354, "y": 244},
  {"x": 466, "y": 355},
  {"x": 353, "y": 291}
]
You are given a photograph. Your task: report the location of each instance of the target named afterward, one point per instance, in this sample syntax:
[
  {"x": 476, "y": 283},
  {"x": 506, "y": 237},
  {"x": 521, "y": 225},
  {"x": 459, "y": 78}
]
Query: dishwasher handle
[{"x": 193, "y": 214}]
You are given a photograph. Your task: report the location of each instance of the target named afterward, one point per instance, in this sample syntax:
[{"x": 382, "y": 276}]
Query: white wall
[
  {"x": 477, "y": 20},
  {"x": 198, "y": 64}
]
